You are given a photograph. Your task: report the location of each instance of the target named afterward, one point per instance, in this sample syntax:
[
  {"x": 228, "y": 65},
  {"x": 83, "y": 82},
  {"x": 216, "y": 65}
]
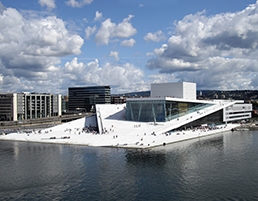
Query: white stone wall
[
  {"x": 15, "y": 107},
  {"x": 186, "y": 90},
  {"x": 237, "y": 112},
  {"x": 189, "y": 90}
]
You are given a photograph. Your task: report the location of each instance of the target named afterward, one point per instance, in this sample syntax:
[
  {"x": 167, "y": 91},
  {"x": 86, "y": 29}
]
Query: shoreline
[{"x": 76, "y": 136}]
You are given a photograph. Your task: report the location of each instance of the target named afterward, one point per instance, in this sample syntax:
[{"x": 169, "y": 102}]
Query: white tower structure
[{"x": 185, "y": 90}]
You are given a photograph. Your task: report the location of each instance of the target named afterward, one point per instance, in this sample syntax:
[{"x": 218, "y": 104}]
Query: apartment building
[{"x": 23, "y": 106}]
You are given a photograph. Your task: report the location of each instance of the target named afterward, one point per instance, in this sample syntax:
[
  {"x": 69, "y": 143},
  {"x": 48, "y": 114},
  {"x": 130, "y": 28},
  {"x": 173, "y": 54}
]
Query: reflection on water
[
  {"x": 145, "y": 157},
  {"x": 218, "y": 167}
]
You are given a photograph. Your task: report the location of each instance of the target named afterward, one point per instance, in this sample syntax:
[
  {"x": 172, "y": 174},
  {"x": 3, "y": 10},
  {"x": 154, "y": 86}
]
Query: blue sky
[{"x": 50, "y": 45}]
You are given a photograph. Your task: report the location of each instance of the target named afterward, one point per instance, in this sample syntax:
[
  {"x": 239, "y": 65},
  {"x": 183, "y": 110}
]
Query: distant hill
[
  {"x": 131, "y": 94},
  {"x": 233, "y": 94},
  {"x": 210, "y": 94}
]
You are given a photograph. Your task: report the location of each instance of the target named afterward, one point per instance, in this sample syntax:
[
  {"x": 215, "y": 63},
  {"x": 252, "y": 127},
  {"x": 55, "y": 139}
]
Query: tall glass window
[
  {"x": 159, "y": 110},
  {"x": 146, "y": 111},
  {"x": 177, "y": 109}
]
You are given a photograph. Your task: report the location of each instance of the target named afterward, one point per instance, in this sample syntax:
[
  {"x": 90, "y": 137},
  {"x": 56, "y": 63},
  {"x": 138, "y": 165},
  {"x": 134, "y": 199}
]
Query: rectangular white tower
[{"x": 186, "y": 90}]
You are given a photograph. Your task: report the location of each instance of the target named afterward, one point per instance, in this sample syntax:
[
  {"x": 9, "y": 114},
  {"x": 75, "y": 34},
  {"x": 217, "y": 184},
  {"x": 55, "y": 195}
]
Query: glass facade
[
  {"x": 6, "y": 107},
  {"x": 159, "y": 110},
  {"x": 212, "y": 119},
  {"x": 85, "y": 98},
  {"x": 146, "y": 111}
]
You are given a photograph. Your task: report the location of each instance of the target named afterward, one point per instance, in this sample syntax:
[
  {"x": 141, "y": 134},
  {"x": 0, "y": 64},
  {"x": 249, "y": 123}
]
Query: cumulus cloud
[
  {"x": 109, "y": 30},
  {"x": 121, "y": 78},
  {"x": 128, "y": 43},
  {"x": 79, "y": 3},
  {"x": 155, "y": 37},
  {"x": 115, "y": 55},
  {"x": 162, "y": 78},
  {"x": 32, "y": 50},
  {"x": 32, "y": 47},
  {"x": 212, "y": 50},
  {"x": 98, "y": 16},
  {"x": 89, "y": 31},
  {"x": 179, "y": 65},
  {"x": 224, "y": 73},
  {"x": 50, "y": 4}
]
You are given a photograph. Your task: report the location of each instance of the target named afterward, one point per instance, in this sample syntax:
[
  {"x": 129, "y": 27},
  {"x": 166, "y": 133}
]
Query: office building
[
  {"x": 24, "y": 106},
  {"x": 83, "y": 99}
]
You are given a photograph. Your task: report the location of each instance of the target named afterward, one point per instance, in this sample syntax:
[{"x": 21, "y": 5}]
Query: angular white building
[
  {"x": 172, "y": 114},
  {"x": 185, "y": 90},
  {"x": 174, "y": 105}
]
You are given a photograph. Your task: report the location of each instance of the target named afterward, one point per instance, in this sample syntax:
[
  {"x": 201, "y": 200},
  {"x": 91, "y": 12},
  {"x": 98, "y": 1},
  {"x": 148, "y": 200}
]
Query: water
[{"x": 221, "y": 167}]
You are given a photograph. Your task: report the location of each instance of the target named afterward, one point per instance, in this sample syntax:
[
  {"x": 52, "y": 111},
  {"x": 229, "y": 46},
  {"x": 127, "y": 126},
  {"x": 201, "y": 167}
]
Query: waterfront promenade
[
  {"x": 142, "y": 135},
  {"x": 114, "y": 131}
]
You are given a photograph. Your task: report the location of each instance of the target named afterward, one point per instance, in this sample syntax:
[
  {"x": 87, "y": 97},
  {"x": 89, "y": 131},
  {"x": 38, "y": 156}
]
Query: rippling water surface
[{"x": 221, "y": 167}]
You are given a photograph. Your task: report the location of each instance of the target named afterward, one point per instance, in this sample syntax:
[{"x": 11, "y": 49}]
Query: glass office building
[
  {"x": 83, "y": 99},
  {"x": 6, "y": 107},
  {"x": 159, "y": 110}
]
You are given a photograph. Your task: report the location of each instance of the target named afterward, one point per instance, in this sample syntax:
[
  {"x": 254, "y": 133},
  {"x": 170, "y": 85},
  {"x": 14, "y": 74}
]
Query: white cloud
[
  {"x": 78, "y": 3},
  {"x": 98, "y": 16},
  {"x": 32, "y": 50},
  {"x": 218, "y": 51},
  {"x": 50, "y": 4},
  {"x": 89, "y": 31},
  {"x": 33, "y": 47},
  {"x": 128, "y": 43},
  {"x": 179, "y": 65},
  {"x": 109, "y": 30},
  {"x": 156, "y": 37},
  {"x": 46, "y": 37},
  {"x": 115, "y": 55},
  {"x": 121, "y": 78},
  {"x": 162, "y": 78},
  {"x": 224, "y": 73}
]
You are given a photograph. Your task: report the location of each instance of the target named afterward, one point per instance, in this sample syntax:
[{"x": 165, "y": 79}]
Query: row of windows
[
  {"x": 86, "y": 97},
  {"x": 28, "y": 106}
]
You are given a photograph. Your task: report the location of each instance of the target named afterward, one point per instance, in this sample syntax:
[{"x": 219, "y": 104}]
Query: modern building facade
[
  {"x": 163, "y": 108},
  {"x": 185, "y": 90},
  {"x": 160, "y": 109},
  {"x": 83, "y": 99},
  {"x": 118, "y": 99},
  {"x": 24, "y": 106},
  {"x": 7, "y": 111}
]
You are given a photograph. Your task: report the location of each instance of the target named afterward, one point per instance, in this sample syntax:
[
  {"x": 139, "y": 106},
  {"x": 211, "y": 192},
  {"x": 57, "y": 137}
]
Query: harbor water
[{"x": 219, "y": 167}]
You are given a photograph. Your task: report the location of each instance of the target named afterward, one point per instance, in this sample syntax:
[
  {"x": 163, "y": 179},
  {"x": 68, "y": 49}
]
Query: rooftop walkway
[{"x": 115, "y": 132}]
